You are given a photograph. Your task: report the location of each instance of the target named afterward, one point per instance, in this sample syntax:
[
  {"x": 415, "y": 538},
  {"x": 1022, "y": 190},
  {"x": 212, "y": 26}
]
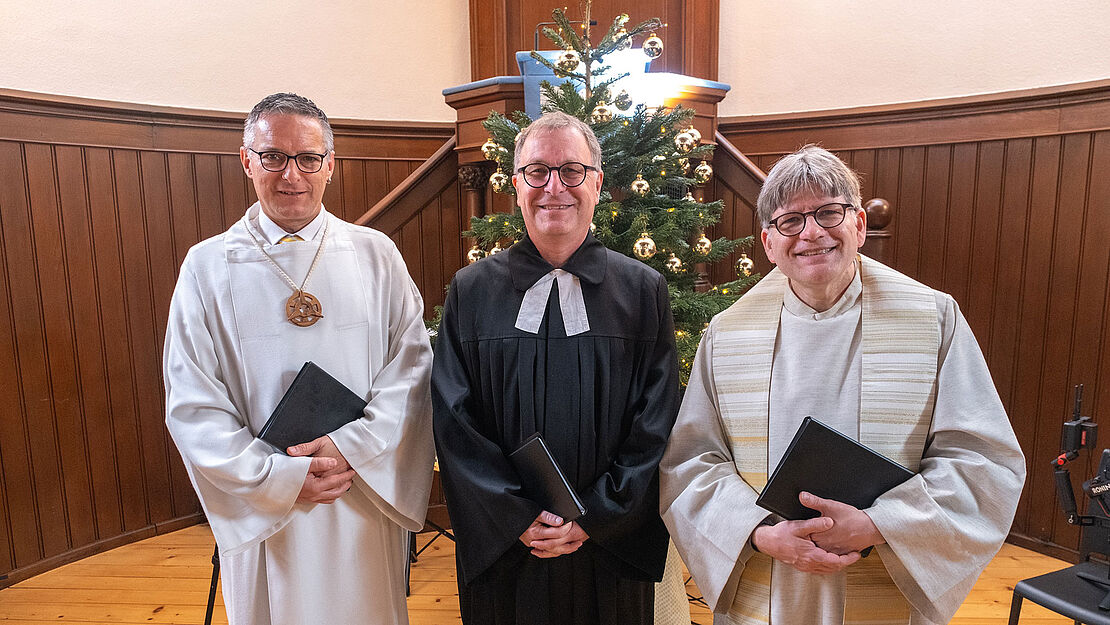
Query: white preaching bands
[{"x": 571, "y": 303}]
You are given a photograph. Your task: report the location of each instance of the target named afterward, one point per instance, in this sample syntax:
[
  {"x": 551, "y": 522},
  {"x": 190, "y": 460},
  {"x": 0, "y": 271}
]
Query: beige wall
[
  {"x": 804, "y": 55},
  {"x": 366, "y": 59}
]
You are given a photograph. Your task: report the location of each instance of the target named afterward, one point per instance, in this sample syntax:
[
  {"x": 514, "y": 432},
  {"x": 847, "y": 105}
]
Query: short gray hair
[
  {"x": 556, "y": 120},
  {"x": 287, "y": 104},
  {"x": 812, "y": 169}
]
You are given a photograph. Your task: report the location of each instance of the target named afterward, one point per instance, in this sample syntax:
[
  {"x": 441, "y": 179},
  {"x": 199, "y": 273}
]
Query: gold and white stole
[{"x": 899, "y": 347}]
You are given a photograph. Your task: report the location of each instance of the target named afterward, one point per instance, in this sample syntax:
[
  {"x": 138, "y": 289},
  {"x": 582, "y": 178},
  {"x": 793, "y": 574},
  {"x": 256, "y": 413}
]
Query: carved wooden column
[
  {"x": 879, "y": 215},
  {"x": 474, "y": 178}
]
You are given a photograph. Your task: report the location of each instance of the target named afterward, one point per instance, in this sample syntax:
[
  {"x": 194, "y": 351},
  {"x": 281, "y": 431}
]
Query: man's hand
[
  {"x": 329, "y": 474},
  {"x": 852, "y": 530},
  {"x": 789, "y": 542},
  {"x": 549, "y": 537},
  {"x": 322, "y": 447},
  {"x": 320, "y": 489}
]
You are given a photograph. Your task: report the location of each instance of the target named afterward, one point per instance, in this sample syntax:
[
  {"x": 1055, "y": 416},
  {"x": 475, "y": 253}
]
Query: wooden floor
[{"x": 165, "y": 580}]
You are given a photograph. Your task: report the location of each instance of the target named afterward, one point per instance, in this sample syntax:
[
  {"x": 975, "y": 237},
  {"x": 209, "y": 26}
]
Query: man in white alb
[
  {"x": 878, "y": 356},
  {"x": 318, "y": 535}
]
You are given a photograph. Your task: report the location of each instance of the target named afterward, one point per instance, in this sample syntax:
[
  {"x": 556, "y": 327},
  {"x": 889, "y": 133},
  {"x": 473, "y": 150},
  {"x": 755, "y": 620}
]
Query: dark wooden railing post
[
  {"x": 879, "y": 215},
  {"x": 474, "y": 178}
]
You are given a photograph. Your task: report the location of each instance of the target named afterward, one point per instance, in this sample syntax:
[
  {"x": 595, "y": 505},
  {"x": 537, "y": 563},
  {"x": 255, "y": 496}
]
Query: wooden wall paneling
[
  {"x": 500, "y": 28},
  {"x": 1095, "y": 268},
  {"x": 40, "y": 272},
  {"x": 1064, "y": 293},
  {"x": 701, "y": 28},
  {"x": 119, "y": 296},
  {"x": 184, "y": 224},
  {"x": 958, "y": 255},
  {"x": 377, "y": 179},
  {"x": 105, "y": 358},
  {"x": 9, "y": 398},
  {"x": 450, "y": 260},
  {"x": 911, "y": 194},
  {"x": 140, "y": 345},
  {"x": 234, "y": 186},
  {"x": 933, "y": 217},
  {"x": 886, "y": 177},
  {"x": 1089, "y": 331},
  {"x": 353, "y": 184},
  {"x": 431, "y": 228},
  {"x": 987, "y": 228},
  {"x": 19, "y": 485},
  {"x": 210, "y": 213},
  {"x": 73, "y": 272},
  {"x": 157, "y": 219},
  {"x": 1028, "y": 194}
]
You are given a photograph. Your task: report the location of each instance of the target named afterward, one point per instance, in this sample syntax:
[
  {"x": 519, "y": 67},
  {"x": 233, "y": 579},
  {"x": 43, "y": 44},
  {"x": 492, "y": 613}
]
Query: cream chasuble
[
  {"x": 718, "y": 456},
  {"x": 231, "y": 353}
]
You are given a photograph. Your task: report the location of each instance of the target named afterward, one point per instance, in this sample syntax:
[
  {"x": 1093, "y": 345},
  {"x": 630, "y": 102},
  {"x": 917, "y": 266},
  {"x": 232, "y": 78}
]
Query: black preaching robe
[{"x": 604, "y": 401}]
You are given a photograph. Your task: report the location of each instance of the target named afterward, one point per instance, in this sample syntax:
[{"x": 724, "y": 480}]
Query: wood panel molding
[{"x": 1027, "y": 113}]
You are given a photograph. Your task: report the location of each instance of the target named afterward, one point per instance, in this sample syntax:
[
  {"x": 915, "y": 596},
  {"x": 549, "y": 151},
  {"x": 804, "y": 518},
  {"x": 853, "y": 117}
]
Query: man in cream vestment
[
  {"x": 318, "y": 535},
  {"x": 879, "y": 357}
]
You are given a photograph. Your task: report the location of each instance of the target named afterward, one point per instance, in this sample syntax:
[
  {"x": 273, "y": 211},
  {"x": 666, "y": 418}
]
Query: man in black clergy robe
[{"x": 561, "y": 336}]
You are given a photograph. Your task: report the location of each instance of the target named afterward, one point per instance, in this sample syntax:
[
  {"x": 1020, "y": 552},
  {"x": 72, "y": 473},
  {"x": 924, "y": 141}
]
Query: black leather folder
[
  {"x": 315, "y": 404},
  {"x": 828, "y": 464},
  {"x": 543, "y": 481}
]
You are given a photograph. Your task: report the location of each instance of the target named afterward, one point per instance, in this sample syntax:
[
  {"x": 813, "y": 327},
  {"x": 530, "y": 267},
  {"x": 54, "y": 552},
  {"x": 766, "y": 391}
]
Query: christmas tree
[{"x": 650, "y": 161}]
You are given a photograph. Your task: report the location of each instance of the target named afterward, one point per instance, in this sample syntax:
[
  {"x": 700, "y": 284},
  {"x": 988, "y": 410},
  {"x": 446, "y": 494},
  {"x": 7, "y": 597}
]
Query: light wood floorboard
[{"x": 165, "y": 580}]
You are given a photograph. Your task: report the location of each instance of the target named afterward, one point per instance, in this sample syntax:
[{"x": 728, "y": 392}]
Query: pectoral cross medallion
[{"x": 303, "y": 309}]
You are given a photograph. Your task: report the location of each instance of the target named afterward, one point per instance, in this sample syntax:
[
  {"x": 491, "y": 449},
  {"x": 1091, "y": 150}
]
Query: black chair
[{"x": 1076, "y": 592}]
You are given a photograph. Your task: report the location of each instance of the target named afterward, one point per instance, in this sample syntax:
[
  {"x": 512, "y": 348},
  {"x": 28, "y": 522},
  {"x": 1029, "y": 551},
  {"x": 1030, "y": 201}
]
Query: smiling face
[
  {"x": 290, "y": 197},
  {"x": 819, "y": 262},
  {"x": 557, "y": 216}
]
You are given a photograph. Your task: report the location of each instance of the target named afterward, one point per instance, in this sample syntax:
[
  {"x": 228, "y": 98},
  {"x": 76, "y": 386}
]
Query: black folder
[
  {"x": 314, "y": 405},
  {"x": 543, "y": 481},
  {"x": 828, "y": 464}
]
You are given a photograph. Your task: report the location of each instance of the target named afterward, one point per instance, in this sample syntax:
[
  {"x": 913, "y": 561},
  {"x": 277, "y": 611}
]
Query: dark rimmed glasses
[
  {"x": 827, "y": 216},
  {"x": 276, "y": 160},
  {"x": 571, "y": 174}
]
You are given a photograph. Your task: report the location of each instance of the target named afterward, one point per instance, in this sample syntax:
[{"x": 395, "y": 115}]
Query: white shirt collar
[{"x": 273, "y": 232}]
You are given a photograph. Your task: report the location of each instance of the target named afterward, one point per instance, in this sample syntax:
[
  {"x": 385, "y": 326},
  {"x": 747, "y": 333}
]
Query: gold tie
[{"x": 289, "y": 237}]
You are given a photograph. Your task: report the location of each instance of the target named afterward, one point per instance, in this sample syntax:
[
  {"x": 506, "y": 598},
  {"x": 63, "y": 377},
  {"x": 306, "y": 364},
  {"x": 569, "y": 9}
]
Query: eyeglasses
[
  {"x": 571, "y": 174},
  {"x": 827, "y": 216},
  {"x": 276, "y": 160}
]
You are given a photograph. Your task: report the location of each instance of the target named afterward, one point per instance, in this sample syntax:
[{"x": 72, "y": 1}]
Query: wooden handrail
[
  {"x": 419, "y": 188},
  {"x": 740, "y": 172}
]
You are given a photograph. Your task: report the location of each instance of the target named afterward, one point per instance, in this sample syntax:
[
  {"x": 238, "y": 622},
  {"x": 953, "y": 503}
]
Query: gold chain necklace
[{"x": 302, "y": 308}]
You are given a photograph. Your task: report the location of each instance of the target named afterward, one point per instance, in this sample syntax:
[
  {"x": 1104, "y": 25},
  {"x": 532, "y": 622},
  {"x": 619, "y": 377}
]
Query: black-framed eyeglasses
[
  {"x": 276, "y": 160},
  {"x": 571, "y": 174},
  {"x": 828, "y": 215}
]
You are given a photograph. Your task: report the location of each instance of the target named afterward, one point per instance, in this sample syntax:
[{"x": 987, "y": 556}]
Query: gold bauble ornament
[
  {"x": 602, "y": 113},
  {"x": 689, "y": 197},
  {"x": 498, "y": 180},
  {"x": 627, "y": 43},
  {"x": 684, "y": 163},
  {"x": 593, "y": 227},
  {"x": 490, "y": 149},
  {"x": 693, "y": 132},
  {"x": 640, "y": 186},
  {"x": 475, "y": 254},
  {"x": 674, "y": 264},
  {"x": 744, "y": 266},
  {"x": 703, "y": 245},
  {"x": 623, "y": 101},
  {"x": 567, "y": 61},
  {"x": 683, "y": 142},
  {"x": 703, "y": 172},
  {"x": 644, "y": 247},
  {"x": 653, "y": 46},
  {"x": 496, "y": 249}
]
